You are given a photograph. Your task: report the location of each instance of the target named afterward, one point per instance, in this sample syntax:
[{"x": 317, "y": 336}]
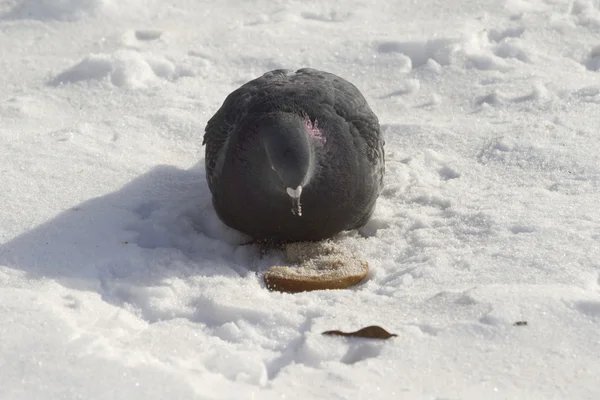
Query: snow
[{"x": 118, "y": 281}]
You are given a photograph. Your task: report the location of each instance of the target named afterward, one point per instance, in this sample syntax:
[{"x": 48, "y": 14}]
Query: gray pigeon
[{"x": 294, "y": 156}]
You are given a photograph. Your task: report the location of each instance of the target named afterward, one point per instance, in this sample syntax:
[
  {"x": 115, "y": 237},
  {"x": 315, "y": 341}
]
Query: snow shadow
[{"x": 160, "y": 225}]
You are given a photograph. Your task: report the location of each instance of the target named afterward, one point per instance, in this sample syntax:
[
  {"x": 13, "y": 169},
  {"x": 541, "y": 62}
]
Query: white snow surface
[{"x": 118, "y": 281}]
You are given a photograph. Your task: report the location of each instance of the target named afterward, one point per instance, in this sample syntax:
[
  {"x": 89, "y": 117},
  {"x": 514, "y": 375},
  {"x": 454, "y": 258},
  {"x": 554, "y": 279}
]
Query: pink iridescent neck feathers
[{"x": 314, "y": 131}]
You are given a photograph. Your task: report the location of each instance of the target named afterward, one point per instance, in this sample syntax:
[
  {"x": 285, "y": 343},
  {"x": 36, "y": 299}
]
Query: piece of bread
[{"x": 322, "y": 265}]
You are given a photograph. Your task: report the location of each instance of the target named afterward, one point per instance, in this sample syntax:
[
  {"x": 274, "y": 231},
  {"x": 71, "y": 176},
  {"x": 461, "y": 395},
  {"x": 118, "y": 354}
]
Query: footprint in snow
[
  {"x": 147, "y": 34},
  {"x": 328, "y": 16}
]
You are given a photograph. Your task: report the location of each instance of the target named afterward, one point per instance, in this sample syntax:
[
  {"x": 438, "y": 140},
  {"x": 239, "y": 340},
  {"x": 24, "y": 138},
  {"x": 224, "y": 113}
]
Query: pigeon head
[{"x": 288, "y": 148}]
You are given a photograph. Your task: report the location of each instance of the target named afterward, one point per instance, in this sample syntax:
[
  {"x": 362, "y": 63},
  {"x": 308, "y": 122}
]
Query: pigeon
[{"x": 294, "y": 156}]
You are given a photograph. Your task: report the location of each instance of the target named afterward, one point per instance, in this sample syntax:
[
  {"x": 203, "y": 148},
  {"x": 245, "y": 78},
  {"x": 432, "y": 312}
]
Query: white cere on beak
[{"x": 295, "y": 195}]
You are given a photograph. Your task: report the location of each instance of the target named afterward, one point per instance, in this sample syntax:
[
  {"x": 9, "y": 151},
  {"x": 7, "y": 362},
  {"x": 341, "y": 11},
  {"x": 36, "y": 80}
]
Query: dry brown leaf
[{"x": 370, "y": 332}]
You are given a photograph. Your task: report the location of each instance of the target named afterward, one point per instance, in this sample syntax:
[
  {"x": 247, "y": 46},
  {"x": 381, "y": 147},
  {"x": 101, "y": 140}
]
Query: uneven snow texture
[{"x": 118, "y": 281}]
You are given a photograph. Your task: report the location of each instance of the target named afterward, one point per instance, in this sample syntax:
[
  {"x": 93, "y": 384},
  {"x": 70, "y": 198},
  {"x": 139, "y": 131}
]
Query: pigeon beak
[
  {"x": 294, "y": 193},
  {"x": 295, "y": 196}
]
